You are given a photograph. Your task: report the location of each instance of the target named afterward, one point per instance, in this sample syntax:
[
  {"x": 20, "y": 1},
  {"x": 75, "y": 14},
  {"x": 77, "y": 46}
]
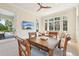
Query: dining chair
[
  {"x": 53, "y": 34},
  {"x": 25, "y": 48},
  {"x": 45, "y": 33},
  {"x": 62, "y": 46},
  {"x": 32, "y": 35}
]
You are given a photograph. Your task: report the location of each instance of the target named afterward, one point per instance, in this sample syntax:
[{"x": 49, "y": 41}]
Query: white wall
[
  {"x": 77, "y": 23},
  {"x": 6, "y": 12},
  {"x": 24, "y": 16}
]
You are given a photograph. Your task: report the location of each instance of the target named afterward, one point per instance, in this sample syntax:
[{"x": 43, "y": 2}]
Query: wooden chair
[
  {"x": 53, "y": 34},
  {"x": 63, "y": 48},
  {"x": 32, "y": 35},
  {"x": 44, "y": 33},
  {"x": 23, "y": 47}
]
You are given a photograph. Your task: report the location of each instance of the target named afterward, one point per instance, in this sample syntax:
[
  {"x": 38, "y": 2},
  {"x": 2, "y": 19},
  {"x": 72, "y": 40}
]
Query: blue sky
[{"x": 26, "y": 23}]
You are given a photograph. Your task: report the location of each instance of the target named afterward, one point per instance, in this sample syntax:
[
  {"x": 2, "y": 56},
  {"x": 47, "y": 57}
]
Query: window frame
[{"x": 61, "y": 26}]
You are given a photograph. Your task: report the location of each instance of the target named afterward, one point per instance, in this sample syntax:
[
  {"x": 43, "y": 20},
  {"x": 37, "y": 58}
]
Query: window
[
  {"x": 51, "y": 24},
  {"x": 6, "y": 23},
  {"x": 56, "y": 24},
  {"x": 64, "y": 25},
  {"x": 45, "y": 25},
  {"x": 57, "y": 18},
  {"x": 37, "y": 26}
]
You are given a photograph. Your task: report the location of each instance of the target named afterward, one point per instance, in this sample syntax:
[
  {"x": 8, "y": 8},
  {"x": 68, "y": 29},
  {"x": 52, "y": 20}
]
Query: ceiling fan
[{"x": 44, "y": 7}]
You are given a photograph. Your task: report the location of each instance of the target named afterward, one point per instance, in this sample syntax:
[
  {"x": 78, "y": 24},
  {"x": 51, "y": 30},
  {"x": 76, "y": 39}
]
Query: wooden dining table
[{"x": 47, "y": 44}]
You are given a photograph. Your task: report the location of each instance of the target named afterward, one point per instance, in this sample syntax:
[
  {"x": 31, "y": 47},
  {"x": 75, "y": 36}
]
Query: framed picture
[{"x": 27, "y": 25}]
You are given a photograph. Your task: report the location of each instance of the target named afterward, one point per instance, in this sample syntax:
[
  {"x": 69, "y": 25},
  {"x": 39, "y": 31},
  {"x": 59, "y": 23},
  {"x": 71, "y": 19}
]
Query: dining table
[{"x": 48, "y": 44}]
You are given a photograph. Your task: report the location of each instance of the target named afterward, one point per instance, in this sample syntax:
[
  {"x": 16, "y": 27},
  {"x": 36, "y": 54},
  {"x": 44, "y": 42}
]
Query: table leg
[{"x": 50, "y": 52}]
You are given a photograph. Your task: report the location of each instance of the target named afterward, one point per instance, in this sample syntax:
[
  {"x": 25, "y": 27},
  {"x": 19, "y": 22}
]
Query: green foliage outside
[
  {"x": 28, "y": 28},
  {"x": 7, "y": 27},
  {"x": 3, "y": 27},
  {"x": 8, "y": 23}
]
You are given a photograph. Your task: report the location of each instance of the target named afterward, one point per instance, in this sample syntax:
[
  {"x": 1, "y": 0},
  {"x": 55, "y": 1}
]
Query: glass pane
[
  {"x": 45, "y": 26},
  {"x": 64, "y": 25},
  {"x": 37, "y": 26},
  {"x": 50, "y": 26},
  {"x": 64, "y": 17},
  {"x": 51, "y": 20},
  {"x": 57, "y": 25},
  {"x": 57, "y": 18}
]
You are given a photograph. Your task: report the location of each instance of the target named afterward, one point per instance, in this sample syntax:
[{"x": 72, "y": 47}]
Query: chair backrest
[
  {"x": 45, "y": 33},
  {"x": 61, "y": 39},
  {"x": 23, "y": 47},
  {"x": 32, "y": 35},
  {"x": 67, "y": 38},
  {"x": 53, "y": 34},
  {"x": 65, "y": 42}
]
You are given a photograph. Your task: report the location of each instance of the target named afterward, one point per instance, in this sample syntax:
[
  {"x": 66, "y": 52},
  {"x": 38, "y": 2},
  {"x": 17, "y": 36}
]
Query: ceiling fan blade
[
  {"x": 39, "y": 4},
  {"x": 47, "y": 7}
]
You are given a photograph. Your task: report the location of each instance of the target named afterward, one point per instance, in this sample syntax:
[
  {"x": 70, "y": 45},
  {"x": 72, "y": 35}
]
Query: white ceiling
[
  {"x": 6, "y": 12},
  {"x": 56, "y": 7}
]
